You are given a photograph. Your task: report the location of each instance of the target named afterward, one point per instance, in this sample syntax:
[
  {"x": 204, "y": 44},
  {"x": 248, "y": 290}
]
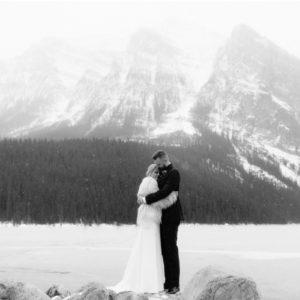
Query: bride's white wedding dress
[{"x": 144, "y": 272}]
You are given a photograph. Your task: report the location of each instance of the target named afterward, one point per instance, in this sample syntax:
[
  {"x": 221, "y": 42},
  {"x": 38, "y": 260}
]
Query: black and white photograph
[{"x": 149, "y": 150}]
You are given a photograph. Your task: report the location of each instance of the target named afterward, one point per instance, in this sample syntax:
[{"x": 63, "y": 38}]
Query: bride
[{"x": 144, "y": 272}]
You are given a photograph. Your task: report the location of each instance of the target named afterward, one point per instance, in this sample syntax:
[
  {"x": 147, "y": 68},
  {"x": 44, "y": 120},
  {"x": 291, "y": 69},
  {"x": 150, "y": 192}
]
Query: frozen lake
[{"x": 72, "y": 255}]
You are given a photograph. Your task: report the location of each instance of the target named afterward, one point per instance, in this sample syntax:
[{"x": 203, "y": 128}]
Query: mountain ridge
[{"x": 148, "y": 92}]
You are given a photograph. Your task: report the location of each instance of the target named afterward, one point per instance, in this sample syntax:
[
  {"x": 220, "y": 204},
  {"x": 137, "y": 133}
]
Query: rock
[
  {"x": 3, "y": 291},
  {"x": 199, "y": 281},
  {"x": 213, "y": 284},
  {"x": 76, "y": 296},
  {"x": 230, "y": 288},
  {"x": 92, "y": 291},
  {"x": 57, "y": 290},
  {"x": 21, "y": 291},
  {"x": 131, "y": 296},
  {"x": 97, "y": 294},
  {"x": 112, "y": 294},
  {"x": 57, "y": 298},
  {"x": 91, "y": 286}
]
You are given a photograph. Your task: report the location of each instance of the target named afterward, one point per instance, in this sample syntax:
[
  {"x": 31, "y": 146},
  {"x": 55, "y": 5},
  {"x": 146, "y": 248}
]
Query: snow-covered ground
[{"x": 75, "y": 254}]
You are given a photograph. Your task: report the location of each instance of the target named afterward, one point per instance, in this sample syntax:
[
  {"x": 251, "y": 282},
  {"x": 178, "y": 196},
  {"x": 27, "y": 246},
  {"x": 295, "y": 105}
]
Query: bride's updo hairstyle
[{"x": 151, "y": 169}]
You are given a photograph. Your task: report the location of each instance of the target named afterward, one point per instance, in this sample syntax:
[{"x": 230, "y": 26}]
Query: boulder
[
  {"x": 57, "y": 298},
  {"x": 130, "y": 296},
  {"x": 57, "y": 290},
  {"x": 75, "y": 296},
  {"x": 92, "y": 291},
  {"x": 214, "y": 284},
  {"x": 21, "y": 291},
  {"x": 3, "y": 291},
  {"x": 90, "y": 286}
]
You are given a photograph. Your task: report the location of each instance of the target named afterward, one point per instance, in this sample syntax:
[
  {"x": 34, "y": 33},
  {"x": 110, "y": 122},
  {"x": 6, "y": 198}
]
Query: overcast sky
[{"x": 24, "y": 22}]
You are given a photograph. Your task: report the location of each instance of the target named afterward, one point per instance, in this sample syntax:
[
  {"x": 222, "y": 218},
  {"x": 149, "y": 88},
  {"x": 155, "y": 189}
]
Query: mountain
[
  {"x": 245, "y": 93},
  {"x": 57, "y": 90},
  {"x": 254, "y": 87},
  {"x": 35, "y": 88},
  {"x": 252, "y": 97}
]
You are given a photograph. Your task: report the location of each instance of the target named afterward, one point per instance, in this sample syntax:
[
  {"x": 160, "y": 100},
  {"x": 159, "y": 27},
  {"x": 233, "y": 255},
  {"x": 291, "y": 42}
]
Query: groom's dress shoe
[{"x": 173, "y": 290}]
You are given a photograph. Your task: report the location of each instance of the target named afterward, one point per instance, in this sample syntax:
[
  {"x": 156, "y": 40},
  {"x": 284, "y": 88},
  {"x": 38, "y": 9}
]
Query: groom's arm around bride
[{"x": 170, "y": 183}]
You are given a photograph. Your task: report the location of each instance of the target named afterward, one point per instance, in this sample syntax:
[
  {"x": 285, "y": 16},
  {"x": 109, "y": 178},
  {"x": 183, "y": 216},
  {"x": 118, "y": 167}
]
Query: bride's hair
[{"x": 151, "y": 169}]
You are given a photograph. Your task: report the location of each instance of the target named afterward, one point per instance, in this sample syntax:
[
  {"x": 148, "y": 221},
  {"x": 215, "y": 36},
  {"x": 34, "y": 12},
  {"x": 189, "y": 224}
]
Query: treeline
[{"x": 95, "y": 181}]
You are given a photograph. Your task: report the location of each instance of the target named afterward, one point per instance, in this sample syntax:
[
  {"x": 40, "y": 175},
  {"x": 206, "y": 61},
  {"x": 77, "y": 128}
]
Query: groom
[{"x": 168, "y": 181}]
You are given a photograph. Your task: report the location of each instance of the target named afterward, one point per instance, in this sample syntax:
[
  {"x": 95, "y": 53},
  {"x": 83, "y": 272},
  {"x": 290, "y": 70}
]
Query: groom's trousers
[{"x": 168, "y": 235}]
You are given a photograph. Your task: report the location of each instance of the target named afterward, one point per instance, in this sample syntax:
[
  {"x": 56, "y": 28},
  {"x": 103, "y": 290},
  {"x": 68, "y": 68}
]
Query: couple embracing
[{"x": 153, "y": 265}]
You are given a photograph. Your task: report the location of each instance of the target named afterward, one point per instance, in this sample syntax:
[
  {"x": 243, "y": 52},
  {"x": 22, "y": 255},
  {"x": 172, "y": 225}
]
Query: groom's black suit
[{"x": 168, "y": 181}]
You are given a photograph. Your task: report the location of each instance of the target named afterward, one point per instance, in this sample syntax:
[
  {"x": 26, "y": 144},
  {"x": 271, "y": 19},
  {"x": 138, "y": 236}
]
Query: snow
[
  {"x": 281, "y": 103},
  {"x": 250, "y": 86},
  {"x": 262, "y": 41},
  {"x": 289, "y": 163},
  {"x": 54, "y": 115},
  {"x": 173, "y": 126},
  {"x": 292, "y": 158},
  {"x": 286, "y": 172},
  {"x": 179, "y": 120},
  {"x": 72, "y": 255},
  {"x": 250, "y": 168}
]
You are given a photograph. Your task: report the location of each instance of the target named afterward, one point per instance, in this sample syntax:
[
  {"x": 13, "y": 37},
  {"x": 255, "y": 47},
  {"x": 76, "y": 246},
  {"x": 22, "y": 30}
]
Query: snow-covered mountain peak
[
  {"x": 253, "y": 94},
  {"x": 151, "y": 42},
  {"x": 245, "y": 33}
]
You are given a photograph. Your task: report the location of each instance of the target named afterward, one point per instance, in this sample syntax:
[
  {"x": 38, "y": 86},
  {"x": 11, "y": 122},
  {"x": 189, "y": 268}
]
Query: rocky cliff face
[
  {"x": 55, "y": 89},
  {"x": 37, "y": 87},
  {"x": 253, "y": 97},
  {"x": 254, "y": 91}
]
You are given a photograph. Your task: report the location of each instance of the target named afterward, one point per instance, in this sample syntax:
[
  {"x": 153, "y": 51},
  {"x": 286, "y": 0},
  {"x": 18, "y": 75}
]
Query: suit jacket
[{"x": 168, "y": 181}]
